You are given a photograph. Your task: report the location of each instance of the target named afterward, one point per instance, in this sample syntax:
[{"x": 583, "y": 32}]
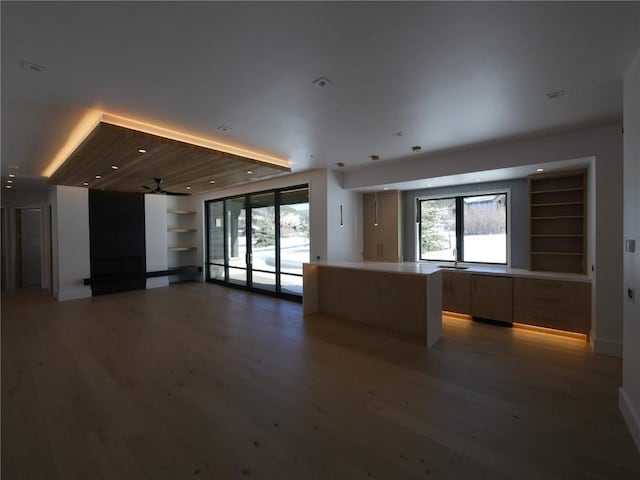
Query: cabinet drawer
[
  {"x": 550, "y": 318},
  {"x": 551, "y": 294}
]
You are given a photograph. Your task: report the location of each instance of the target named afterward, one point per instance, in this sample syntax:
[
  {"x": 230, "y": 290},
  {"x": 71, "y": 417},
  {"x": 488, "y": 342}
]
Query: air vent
[
  {"x": 33, "y": 67},
  {"x": 556, "y": 94},
  {"x": 322, "y": 82}
]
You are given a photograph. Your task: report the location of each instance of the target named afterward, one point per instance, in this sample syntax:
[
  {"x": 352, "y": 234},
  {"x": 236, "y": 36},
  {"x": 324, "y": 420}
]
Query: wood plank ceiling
[{"x": 140, "y": 157}]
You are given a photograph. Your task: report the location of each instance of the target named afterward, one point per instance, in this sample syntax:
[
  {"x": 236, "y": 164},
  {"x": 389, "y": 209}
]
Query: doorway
[{"x": 28, "y": 247}]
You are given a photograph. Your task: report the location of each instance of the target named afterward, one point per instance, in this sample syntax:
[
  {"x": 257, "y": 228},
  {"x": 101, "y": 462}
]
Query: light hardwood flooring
[{"x": 201, "y": 381}]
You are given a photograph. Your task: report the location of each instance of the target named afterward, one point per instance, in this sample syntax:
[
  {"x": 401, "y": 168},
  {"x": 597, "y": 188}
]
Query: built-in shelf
[
  {"x": 556, "y": 190},
  {"x": 182, "y": 212},
  {"x": 557, "y": 253},
  {"x": 557, "y": 235},
  {"x": 557, "y": 224},
  {"x": 556, "y": 204},
  {"x": 558, "y": 217}
]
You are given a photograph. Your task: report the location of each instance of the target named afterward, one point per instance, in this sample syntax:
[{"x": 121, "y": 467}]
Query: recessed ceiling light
[
  {"x": 115, "y": 167},
  {"x": 9, "y": 186},
  {"x": 9, "y": 181},
  {"x": 212, "y": 181},
  {"x": 374, "y": 157},
  {"x": 224, "y": 128},
  {"x": 85, "y": 184},
  {"x": 188, "y": 187},
  {"x": 142, "y": 150},
  {"x": 98, "y": 176},
  {"x": 539, "y": 169},
  {"x": 249, "y": 172},
  {"x": 416, "y": 148},
  {"x": 11, "y": 175},
  {"x": 386, "y": 188}
]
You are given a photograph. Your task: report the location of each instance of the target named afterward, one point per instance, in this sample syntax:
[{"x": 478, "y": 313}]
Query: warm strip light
[
  {"x": 193, "y": 139},
  {"x": 81, "y": 131},
  {"x": 550, "y": 331},
  {"x": 93, "y": 117}
]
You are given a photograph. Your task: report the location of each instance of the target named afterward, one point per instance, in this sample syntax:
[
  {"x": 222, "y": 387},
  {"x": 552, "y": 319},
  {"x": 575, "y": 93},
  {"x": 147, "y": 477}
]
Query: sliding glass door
[{"x": 260, "y": 240}]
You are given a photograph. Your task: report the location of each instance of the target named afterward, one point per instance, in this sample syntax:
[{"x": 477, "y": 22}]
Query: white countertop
[{"x": 427, "y": 268}]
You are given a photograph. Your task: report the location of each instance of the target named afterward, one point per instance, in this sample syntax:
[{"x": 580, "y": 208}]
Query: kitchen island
[{"x": 404, "y": 297}]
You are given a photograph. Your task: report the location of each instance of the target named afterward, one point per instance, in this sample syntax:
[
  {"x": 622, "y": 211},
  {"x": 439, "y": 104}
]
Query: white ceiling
[{"x": 444, "y": 74}]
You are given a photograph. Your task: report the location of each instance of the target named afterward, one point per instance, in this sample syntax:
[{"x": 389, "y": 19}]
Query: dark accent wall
[
  {"x": 117, "y": 241},
  {"x": 519, "y": 190}
]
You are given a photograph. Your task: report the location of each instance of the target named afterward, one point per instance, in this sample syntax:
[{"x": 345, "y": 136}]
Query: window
[{"x": 469, "y": 228}]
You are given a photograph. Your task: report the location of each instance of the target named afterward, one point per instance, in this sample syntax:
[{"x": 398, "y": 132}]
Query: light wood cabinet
[
  {"x": 553, "y": 304},
  {"x": 456, "y": 292},
  {"x": 557, "y": 221},
  {"x": 381, "y": 226},
  {"x": 492, "y": 297}
]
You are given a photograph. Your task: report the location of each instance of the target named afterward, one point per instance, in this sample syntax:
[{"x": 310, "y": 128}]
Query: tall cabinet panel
[{"x": 381, "y": 226}]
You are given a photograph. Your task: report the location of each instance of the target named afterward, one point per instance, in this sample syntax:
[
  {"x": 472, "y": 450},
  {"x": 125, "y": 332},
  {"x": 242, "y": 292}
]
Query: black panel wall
[{"x": 117, "y": 241}]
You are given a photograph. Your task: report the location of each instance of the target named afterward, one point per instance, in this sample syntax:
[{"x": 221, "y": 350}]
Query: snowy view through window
[{"x": 483, "y": 229}]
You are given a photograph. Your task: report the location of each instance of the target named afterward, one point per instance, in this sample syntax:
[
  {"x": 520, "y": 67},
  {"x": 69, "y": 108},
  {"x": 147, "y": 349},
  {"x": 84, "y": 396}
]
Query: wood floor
[{"x": 202, "y": 381}]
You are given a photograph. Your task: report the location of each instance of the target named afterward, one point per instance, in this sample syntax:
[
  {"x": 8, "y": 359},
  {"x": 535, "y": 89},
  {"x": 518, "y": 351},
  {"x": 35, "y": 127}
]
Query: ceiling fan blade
[{"x": 148, "y": 188}]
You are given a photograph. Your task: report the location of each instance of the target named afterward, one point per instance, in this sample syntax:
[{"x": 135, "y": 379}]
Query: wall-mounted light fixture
[
  {"x": 341, "y": 219},
  {"x": 375, "y": 210}
]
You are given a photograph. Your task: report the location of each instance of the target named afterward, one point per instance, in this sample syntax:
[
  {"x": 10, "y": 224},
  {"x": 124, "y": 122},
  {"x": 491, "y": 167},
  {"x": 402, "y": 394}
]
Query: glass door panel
[
  {"x": 236, "y": 240},
  {"x": 216, "y": 240},
  {"x": 294, "y": 238},
  {"x": 263, "y": 241}
]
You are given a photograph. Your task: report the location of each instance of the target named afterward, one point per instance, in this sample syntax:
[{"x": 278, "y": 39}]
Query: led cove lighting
[{"x": 93, "y": 117}]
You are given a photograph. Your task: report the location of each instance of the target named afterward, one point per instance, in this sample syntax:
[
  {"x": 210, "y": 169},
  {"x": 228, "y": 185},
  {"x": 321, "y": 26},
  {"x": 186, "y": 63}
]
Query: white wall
[
  {"x": 155, "y": 229},
  {"x": 71, "y": 252},
  {"x": 604, "y": 143},
  {"x": 343, "y": 241},
  {"x": 630, "y": 391}
]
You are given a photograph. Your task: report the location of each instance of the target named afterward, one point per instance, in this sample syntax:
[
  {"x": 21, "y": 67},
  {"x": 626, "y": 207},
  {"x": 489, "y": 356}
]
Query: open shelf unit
[
  {"x": 182, "y": 243},
  {"x": 557, "y": 222}
]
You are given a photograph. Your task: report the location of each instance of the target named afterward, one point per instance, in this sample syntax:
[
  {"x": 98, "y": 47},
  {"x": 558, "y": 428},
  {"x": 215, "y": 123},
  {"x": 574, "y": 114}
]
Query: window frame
[{"x": 459, "y": 200}]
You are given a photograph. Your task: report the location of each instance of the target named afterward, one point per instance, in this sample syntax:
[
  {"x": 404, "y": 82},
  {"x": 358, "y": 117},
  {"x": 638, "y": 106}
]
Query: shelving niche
[
  {"x": 557, "y": 222},
  {"x": 182, "y": 238}
]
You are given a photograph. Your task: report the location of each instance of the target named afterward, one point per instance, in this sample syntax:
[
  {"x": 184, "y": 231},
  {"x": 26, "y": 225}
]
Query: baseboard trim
[
  {"x": 630, "y": 415},
  {"x": 606, "y": 347}
]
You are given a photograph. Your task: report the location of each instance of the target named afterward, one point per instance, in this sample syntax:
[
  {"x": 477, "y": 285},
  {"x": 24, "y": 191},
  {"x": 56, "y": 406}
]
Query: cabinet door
[
  {"x": 492, "y": 297},
  {"x": 388, "y": 221},
  {"x": 371, "y": 247},
  {"x": 456, "y": 296}
]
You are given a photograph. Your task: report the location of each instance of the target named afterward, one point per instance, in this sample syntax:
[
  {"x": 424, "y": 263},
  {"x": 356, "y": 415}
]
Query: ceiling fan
[{"x": 158, "y": 190}]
